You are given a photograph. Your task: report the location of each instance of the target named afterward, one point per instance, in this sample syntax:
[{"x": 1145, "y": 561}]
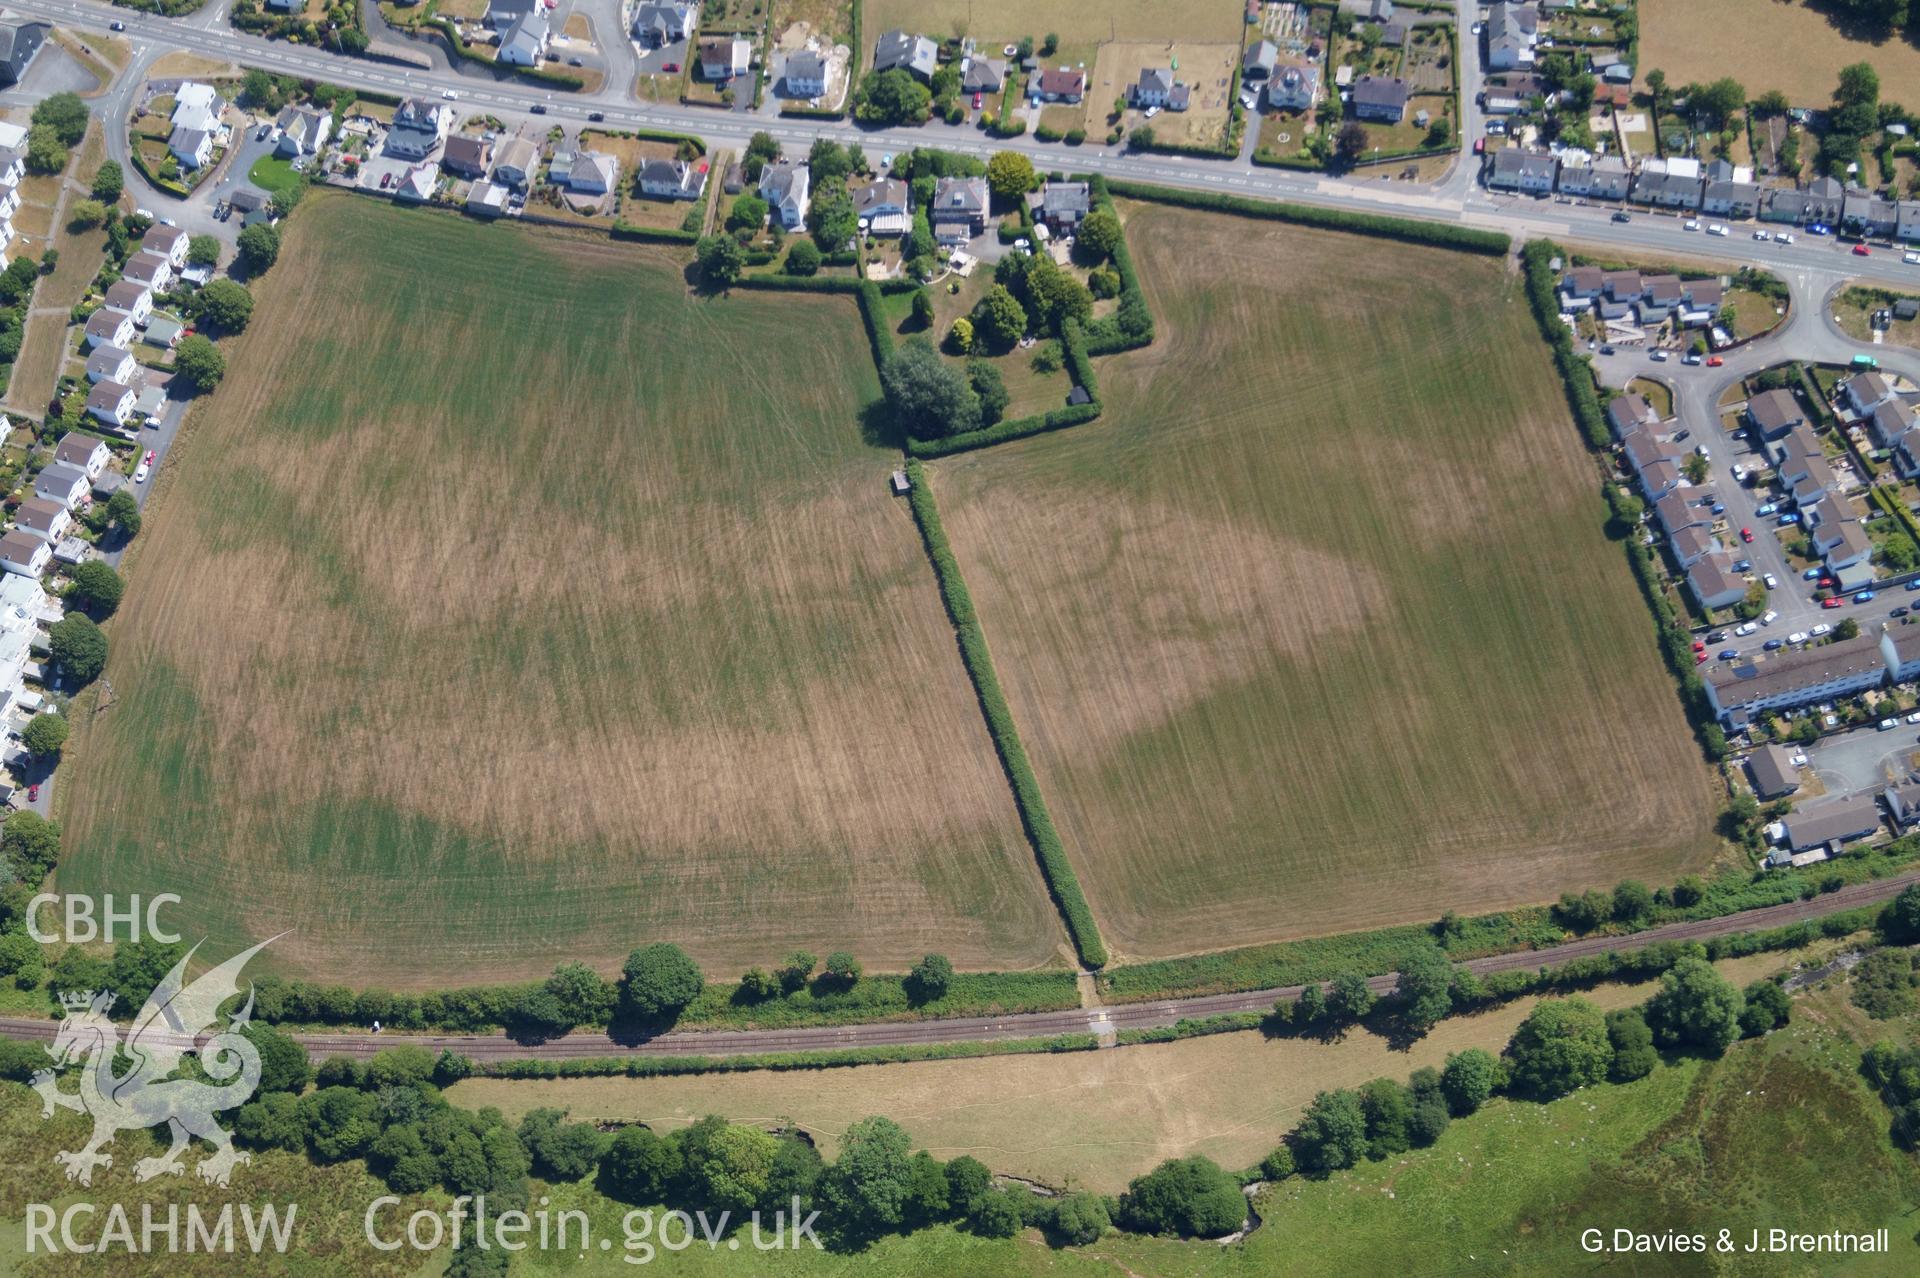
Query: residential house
[
  {"x": 63, "y": 483},
  {"x": 672, "y": 179},
  {"x": 1727, "y": 198},
  {"x": 253, "y": 206},
  {"x": 163, "y": 332},
  {"x": 13, "y": 167},
  {"x": 417, "y": 184},
  {"x": 1808, "y": 478},
  {"x": 515, "y": 161},
  {"x": 149, "y": 269},
  {"x": 1642, "y": 449},
  {"x": 1512, "y": 30},
  {"x": 1796, "y": 677},
  {"x": 959, "y": 209},
  {"x": 44, "y": 519},
  {"x": 882, "y": 206},
  {"x": 1666, "y": 190},
  {"x": 1294, "y": 85},
  {"x": 656, "y": 25},
  {"x": 1063, "y": 205},
  {"x": 1152, "y": 89},
  {"x": 191, "y": 148},
  {"x": 1889, "y": 422},
  {"x": 1836, "y": 533},
  {"x": 1774, "y": 413},
  {"x": 1627, "y": 413},
  {"x": 197, "y": 106},
  {"x": 1837, "y": 821},
  {"x": 109, "y": 327},
  {"x": 1258, "y": 63},
  {"x": 1606, "y": 178},
  {"x": 1660, "y": 296},
  {"x": 110, "y": 402},
  {"x": 24, "y": 554},
  {"x": 111, "y": 364},
  {"x": 1906, "y": 456},
  {"x": 1059, "y": 84},
  {"x": 89, "y": 453},
  {"x": 1791, "y": 451},
  {"x": 1714, "y": 582},
  {"x": 1583, "y": 283},
  {"x": 467, "y": 155},
  {"x": 1693, "y": 543},
  {"x": 1512, "y": 169},
  {"x": 906, "y": 51},
  {"x": 1903, "y": 802},
  {"x": 785, "y": 186},
  {"x": 804, "y": 76},
  {"x": 592, "y": 173},
  {"x": 724, "y": 58},
  {"x": 1379, "y": 98},
  {"x": 1909, "y": 225},
  {"x": 20, "y": 39},
  {"x": 303, "y": 132},
  {"x": 135, "y": 299},
  {"x": 1900, "y": 645},
  {"x": 1864, "y": 213},
  {"x": 1700, "y": 302},
  {"x": 1686, "y": 508},
  {"x": 983, "y": 75},
  {"x": 1659, "y": 479},
  {"x": 524, "y": 43},
  {"x": 1773, "y": 773},
  {"x": 418, "y": 126},
  {"x": 487, "y": 199},
  {"x": 1864, "y": 392},
  {"x": 501, "y": 15},
  {"x": 1820, "y": 201}
]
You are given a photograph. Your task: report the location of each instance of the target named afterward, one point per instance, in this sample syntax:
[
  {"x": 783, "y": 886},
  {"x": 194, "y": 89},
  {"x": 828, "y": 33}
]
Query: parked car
[
  {"x": 978, "y": 99},
  {"x": 1768, "y": 617},
  {"x": 1832, "y": 602},
  {"x": 1774, "y": 645},
  {"x": 1785, "y": 237},
  {"x": 1728, "y": 654},
  {"x": 1914, "y": 585},
  {"x": 1888, "y": 725},
  {"x": 1810, "y": 574},
  {"x": 1691, "y": 224},
  {"x": 1714, "y": 361},
  {"x": 1717, "y": 229},
  {"x": 1861, "y": 250},
  {"x": 1770, "y": 581},
  {"x": 1768, "y": 509},
  {"x": 1716, "y": 636},
  {"x": 1798, "y": 636},
  {"x": 1914, "y": 717},
  {"x": 1911, "y": 259},
  {"x": 1819, "y": 228},
  {"x": 1899, "y": 612},
  {"x": 116, "y": 26},
  {"x": 1789, "y": 519},
  {"x": 1822, "y": 629},
  {"x": 1746, "y": 534},
  {"x": 1745, "y": 565},
  {"x": 1763, "y": 235},
  {"x": 1746, "y": 628},
  {"x": 1621, "y": 217},
  {"x": 1606, "y": 350},
  {"x": 1658, "y": 357},
  {"x": 1865, "y": 596},
  {"x": 1698, "y": 646},
  {"x": 1690, "y": 358},
  {"x": 145, "y": 468}
]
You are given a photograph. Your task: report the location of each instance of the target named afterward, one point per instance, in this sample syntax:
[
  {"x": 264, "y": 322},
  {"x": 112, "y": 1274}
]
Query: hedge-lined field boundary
[
  {"x": 1439, "y": 234},
  {"x": 1061, "y": 880},
  {"x": 838, "y": 1058}
]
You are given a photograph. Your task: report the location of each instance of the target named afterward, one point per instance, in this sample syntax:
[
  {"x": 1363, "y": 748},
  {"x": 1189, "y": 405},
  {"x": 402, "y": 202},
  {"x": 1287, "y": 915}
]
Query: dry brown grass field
[
  {"x": 1095, "y": 1119},
  {"x": 1077, "y": 23},
  {"x": 507, "y": 604},
  {"x": 1318, "y": 628},
  {"x": 1789, "y": 45},
  {"x": 1207, "y": 68}
]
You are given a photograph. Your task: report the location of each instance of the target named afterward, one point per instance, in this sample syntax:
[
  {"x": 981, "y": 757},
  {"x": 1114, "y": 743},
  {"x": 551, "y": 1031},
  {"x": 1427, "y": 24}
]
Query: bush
[
  {"x": 930, "y": 978},
  {"x": 1696, "y": 1007},
  {"x": 1189, "y": 1197},
  {"x": 1561, "y": 1047},
  {"x": 258, "y": 248},
  {"x": 1332, "y": 1134},
  {"x": 1470, "y": 1077},
  {"x": 1632, "y": 1041},
  {"x": 1768, "y": 1007},
  {"x": 659, "y": 980},
  {"x": 803, "y": 258}
]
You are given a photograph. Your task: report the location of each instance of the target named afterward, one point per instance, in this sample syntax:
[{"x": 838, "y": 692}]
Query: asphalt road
[{"x": 1029, "y": 1025}]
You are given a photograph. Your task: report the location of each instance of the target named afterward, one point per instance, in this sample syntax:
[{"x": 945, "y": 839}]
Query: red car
[
  {"x": 33, "y": 793},
  {"x": 1746, "y": 534},
  {"x": 1714, "y": 361},
  {"x": 1834, "y": 602},
  {"x": 1699, "y": 658},
  {"x": 1860, "y": 250},
  {"x": 670, "y": 66},
  {"x": 977, "y": 100},
  {"x": 1698, "y": 646}
]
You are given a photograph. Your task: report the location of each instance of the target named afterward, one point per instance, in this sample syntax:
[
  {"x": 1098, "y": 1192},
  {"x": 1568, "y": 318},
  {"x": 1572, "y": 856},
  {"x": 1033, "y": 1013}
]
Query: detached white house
[
  {"x": 24, "y": 554},
  {"x": 784, "y": 185},
  {"x": 150, "y": 269},
  {"x": 135, "y": 299},
  {"x": 111, "y": 363},
  {"x": 88, "y": 453},
  {"x": 671, "y": 180},
  {"x": 64, "y": 484},
  {"x": 110, "y": 402},
  {"x": 109, "y": 327},
  {"x": 169, "y": 242},
  {"x": 44, "y": 519}
]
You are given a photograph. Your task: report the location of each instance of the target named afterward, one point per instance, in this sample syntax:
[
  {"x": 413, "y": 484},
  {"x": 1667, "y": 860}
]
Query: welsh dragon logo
[{"x": 167, "y": 1029}]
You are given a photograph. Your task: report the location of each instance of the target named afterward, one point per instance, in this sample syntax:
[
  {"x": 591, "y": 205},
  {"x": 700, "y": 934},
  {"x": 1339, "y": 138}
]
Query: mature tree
[
  {"x": 1696, "y": 1007},
  {"x": 1352, "y": 998},
  {"x": 1190, "y": 1197},
  {"x": 1632, "y": 901},
  {"x": 1080, "y": 1218},
  {"x": 831, "y": 217},
  {"x": 928, "y": 1196},
  {"x": 959, "y": 338},
  {"x": 639, "y": 1166},
  {"x": 729, "y": 1166},
  {"x": 587, "y": 997},
  {"x": 990, "y": 387},
  {"x": 1311, "y": 1006},
  {"x": 1859, "y": 84},
  {"x": 892, "y": 97},
  {"x": 258, "y": 248},
  {"x": 1469, "y": 1078},
  {"x": 997, "y": 1213},
  {"x": 930, "y": 397},
  {"x": 999, "y": 319},
  {"x": 78, "y": 647},
  {"x": 1009, "y": 176},
  {"x": 721, "y": 259},
  {"x": 1561, "y": 1047},
  {"x": 920, "y": 241},
  {"x": 65, "y": 114},
  {"x": 86, "y": 214},
  {"x": 30, "y": 844},
  {"x": 1771, "y": 103},
  {"x": 1656, "y": 83},
  {"x": 137, "y": 967},
  {"x": 828, "y": 159},
  {"x": 1388, "y": 1106},
  {"x": 46, "y": 153},
  {"x": 1847, "y": 629},
  {"x": 123, "y": 514},
  {"x": 796, "y": 970},
  {"x": 224, "y": 306},
  {"x": 967, "y": 1179},
  {"x": 1768, "y": 1007},
  {"x": 803, "y": 258},
  {"x": 842, "y": 969},
  {"x": 284, "y": 1066},
  {"x": 109, "y": 182},
  {"x": 1423, "y": 993},
  {"x": 1350, "y": 143},
  {"x": 44, "y": 736},
  {"x": 1633, "y": 1054},
  {"x": 1053, "y": 296},
  {"x": 203, "y": 250},
  {"x": 1900, "y": 921},
  {"x": 748, "y": 215},
  {"x": 1717, "y": 101},
  {"x": 922, "y": 314},
  {"x": 200, "y": 362},
  {"x": 1098, "y": 237},
  {"x": 97, "y": 589},
  {"x": 930, "y": 978},
  {"x": 870, "y": 1182},
  {"x": 660, "y": 980},
  {"x": 1332, "y": 1133}
]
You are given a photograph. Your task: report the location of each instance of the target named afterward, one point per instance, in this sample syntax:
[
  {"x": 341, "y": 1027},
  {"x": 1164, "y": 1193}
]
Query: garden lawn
[
  {"x": 491, "y": 618},
  {"x": 1317, "y": 629}
]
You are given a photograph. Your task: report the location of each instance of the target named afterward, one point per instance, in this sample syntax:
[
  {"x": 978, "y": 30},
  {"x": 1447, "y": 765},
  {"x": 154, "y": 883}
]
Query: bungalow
[
  {"x": 1864, "y": 213},
  {"x": 109, "y": 327},
  {"x": 959, "y": 209},
  {"x": 983, "y": 75},
  {"x": 1060, "y": 84},
  {"x": 417, "y": 184},
  {"x": 149, "y": 269},
  {"x": 111, "y": 364},
  {"x": 906, "y": 51},
  {"x": 672, "y": 180},
  {"x": 1900, "y": 645},
  {"x": 44, "y": 519},
  {"x": 24, "y": 554},
  {"x": 1064, "y": 204},
  {"x": 88, "y": 452},
  {"x": 1714, "y": 582},
  {"x": 1864, "y": 392},
  {"x": 1381, "y": 98},
  {"x": 1774, "y": 413},
  {"x": 656, "y": 25},
  {"x": 467, "y": 155},
  {"x": 1294, "y": 85},
  {"x": 1796, "y": 678},
  {"x": 303, "y": 131},
  {"x": 804, "y": 76},
  {"x": 1772, "y": 771},
  {"x": 1627, "y": 413},
  {"x": 1512, "y": 169},
  {"x": 1839, "y": 821},
  {"x": 1258, "y": 63},
  {"x": 170, "y": 242},
  {"x": 515, "y": 162},
  {"x": 63, "y": 483},
  {"x": 882, "y": 206},
  {"x": 110, "y": 402},
  {"x": 725, "y": 58},
  {"x": 784, "y": 185},
  {"x": 1731, "y": 199},
  {"x": 418, "y": 126},
  {"x": 135, "y": 299}
]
